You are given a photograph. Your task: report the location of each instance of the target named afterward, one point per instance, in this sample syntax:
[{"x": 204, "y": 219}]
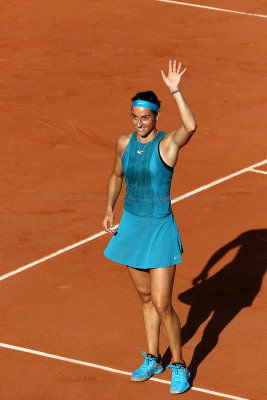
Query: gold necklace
[{"x": 141, "y": 151}]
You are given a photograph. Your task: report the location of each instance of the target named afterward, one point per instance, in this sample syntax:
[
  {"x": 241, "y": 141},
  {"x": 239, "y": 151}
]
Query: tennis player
[{"x": 147, "y": 239}]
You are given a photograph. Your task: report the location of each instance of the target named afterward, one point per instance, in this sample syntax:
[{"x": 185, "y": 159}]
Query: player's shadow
[{"x": 224, "y": 294}]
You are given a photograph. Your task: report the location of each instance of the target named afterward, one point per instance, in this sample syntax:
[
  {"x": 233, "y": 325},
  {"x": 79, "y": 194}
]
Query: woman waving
[{"x": 147, "y": 240}]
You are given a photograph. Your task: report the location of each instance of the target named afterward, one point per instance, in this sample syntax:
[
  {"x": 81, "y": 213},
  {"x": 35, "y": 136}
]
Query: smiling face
[{"x": 144, "y": 120}]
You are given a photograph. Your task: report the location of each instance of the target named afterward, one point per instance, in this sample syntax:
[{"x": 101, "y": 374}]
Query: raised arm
[
  {"x": 114, "y": 186},
  {"x": 183, "y": 134}
]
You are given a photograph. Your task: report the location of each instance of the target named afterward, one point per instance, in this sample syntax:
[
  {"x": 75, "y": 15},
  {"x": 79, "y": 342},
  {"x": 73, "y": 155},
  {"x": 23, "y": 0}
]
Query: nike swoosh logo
[{"x": 175, "y": 257}]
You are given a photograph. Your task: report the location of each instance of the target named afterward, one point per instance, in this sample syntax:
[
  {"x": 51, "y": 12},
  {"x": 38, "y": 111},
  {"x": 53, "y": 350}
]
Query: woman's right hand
[{"x": 107, "y": 222}]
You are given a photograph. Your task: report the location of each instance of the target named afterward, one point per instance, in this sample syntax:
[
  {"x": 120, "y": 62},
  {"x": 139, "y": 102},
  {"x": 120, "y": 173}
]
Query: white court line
[
  {"x": 117, "y": 371},
  {"x": 56, "y": 253},
  {"x": 72, "y": 246},
  {"x": 260, "y": 171},
  {"x": 219, "y": 181},
  {"x": 212, "y": 8}
]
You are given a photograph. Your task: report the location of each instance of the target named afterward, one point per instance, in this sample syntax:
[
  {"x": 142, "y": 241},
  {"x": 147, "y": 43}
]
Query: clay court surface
[{"x": 68, "y": 70}]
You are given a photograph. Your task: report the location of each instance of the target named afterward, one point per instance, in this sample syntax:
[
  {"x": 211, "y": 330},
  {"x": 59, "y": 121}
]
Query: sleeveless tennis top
[{"x": 148, "y": 178}]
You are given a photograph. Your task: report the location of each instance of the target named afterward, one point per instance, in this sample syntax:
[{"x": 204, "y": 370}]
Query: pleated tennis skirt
[{"x": 145, "y": 242}]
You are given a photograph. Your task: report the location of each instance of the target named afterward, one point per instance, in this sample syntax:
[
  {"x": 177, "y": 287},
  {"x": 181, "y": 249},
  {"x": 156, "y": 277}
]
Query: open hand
[{"x": 174, "y": 76}]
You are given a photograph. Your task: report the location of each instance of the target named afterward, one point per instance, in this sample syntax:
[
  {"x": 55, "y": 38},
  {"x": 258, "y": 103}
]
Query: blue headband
[{"x": 145, "y": 104}]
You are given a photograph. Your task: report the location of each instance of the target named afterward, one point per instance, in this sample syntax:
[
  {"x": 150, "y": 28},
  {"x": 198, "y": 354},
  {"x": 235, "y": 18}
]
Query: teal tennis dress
[{"x": 147, "y": 235}]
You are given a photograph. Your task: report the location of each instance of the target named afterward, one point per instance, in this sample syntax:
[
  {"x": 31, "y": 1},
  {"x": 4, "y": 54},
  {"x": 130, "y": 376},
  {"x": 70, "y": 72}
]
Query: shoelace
[
  {"x": 149, "y": 362},
  {"x": 178, "y": 370}
]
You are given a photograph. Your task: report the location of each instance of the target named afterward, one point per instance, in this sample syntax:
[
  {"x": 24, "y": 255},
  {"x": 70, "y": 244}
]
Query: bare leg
[
  {"x": 142, "y": 283},
  {"x": 161, "y": 294}
]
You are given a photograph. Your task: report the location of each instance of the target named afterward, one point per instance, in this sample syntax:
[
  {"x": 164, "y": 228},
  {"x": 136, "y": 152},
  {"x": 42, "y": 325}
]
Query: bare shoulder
[
  {"x": 122, "y": 142},
  {"x": 168, "y": 141},
  {"x": 169, "y": 135}
]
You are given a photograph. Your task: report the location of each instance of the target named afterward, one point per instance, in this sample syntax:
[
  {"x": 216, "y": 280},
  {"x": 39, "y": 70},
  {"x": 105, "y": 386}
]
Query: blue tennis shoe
[
  {"x": 151, "y": 366},
  {"x": 180, "y": 376}
]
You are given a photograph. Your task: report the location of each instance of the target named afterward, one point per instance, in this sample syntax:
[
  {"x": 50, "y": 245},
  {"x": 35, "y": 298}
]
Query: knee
[
  {"x": 163, "y": 307},
  {"x": 145, "y": 297}
]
